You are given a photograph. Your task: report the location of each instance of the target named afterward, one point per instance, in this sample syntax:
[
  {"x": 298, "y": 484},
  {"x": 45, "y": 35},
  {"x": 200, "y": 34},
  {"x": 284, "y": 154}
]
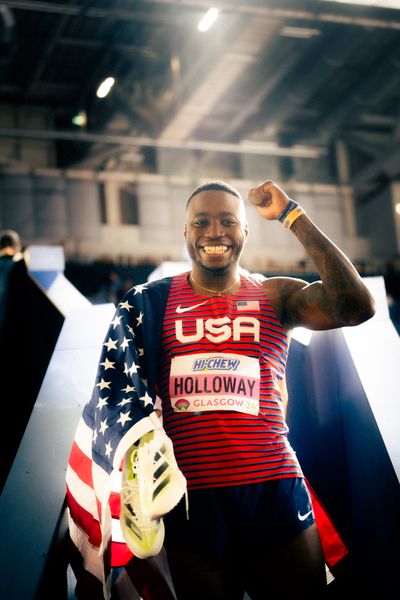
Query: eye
[
  {"x": 228, "y": 222},
  {"x": 200, "y": 223}
]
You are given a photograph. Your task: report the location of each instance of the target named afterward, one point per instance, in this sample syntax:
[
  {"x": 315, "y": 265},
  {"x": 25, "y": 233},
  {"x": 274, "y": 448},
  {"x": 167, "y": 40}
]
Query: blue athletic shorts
[{"x": 254, "y": 516}]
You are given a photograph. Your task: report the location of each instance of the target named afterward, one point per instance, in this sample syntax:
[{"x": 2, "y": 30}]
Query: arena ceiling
[{"x": 276, "y": 77}]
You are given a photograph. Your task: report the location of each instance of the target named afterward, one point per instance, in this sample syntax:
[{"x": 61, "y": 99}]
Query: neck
[{"x": 220, "y": 291}]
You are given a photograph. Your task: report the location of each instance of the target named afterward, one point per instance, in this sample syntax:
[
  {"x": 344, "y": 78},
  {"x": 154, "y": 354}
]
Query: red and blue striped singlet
[{"x": 221, "y": 371}]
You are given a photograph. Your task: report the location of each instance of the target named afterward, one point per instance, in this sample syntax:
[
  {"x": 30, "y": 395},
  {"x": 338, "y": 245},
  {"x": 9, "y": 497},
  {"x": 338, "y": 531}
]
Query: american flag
[
  {"x": 120, "y": 411},
  {"x": 248, "y": 305}
]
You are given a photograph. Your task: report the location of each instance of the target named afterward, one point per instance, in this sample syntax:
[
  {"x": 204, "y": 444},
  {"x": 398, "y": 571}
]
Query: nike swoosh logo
[
  {"x": 182, "y": 309},
  {"x": 303, "y": 517}
]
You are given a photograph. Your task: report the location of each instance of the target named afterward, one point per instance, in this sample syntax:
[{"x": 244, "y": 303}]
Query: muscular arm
[{"x": 339, "y": 299}]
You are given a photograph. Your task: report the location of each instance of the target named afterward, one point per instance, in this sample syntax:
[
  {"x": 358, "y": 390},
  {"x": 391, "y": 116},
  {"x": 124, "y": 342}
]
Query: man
[{"x": 212, "y": 345}]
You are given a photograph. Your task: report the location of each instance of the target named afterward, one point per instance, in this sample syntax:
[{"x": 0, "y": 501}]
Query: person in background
[
  {"x": 114, "y": 287},
  {"x": 10, "y": 245},
  {"x": 10, "y": 253},
  {"x": 211, "y": 344},
  {"x": 12, "y": 269}
]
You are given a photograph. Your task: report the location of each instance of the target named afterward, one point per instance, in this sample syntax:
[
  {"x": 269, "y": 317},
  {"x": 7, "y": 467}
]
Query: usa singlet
[{"x": 221, "y": 371}]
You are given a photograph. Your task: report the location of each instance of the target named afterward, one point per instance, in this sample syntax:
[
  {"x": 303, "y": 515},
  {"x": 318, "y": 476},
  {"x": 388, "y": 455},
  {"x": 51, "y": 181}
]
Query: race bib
[{"x": 209, "y": 381}]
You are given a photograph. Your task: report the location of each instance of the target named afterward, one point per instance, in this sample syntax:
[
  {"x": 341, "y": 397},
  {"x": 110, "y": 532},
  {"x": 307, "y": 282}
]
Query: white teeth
[{"x": 215, "y": 249}]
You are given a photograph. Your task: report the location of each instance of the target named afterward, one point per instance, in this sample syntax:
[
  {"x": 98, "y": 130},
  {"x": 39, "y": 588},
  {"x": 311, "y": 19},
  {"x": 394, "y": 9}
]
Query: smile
[{"x": 215, "y": 249}]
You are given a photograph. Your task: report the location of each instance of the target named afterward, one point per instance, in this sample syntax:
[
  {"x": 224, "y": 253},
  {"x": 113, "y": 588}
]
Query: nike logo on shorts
[
  {"x": 182, "y": 309},
  {"x": 303, "y": 517}
]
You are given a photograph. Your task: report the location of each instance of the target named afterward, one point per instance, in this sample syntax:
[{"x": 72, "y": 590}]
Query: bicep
[{"x": 309, "y": 306}]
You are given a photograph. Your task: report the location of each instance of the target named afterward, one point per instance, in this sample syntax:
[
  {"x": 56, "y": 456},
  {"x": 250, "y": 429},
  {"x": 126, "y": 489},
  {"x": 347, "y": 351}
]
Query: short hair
[
  {"x": 214, "y": 185},
  {"x": 10, "y": 239}
]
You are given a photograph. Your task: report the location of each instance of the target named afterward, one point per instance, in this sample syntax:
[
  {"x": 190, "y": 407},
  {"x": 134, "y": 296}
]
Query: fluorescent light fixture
[
  {"x": 175, "y": 64},
  {"x": 373, "y": 3},
  {"x": 208, "y": 19},
  {"x": 105, "y": 87},
  {"x": 299, "y": 32}
]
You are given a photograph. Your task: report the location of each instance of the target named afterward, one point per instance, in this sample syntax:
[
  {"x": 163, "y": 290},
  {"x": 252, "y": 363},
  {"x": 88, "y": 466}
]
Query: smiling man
[
  {"x": 211, "y": 344},
  {"x": 250, "y": 514}
]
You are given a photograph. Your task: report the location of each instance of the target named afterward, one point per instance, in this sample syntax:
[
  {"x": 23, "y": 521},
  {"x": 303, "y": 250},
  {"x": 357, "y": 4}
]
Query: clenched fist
[{"x": 269, "y": 199}]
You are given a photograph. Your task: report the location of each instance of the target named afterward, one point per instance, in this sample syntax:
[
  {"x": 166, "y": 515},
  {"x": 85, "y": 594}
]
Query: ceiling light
[
  {"x": 299, "y": 32},
  {"x": 175, "y": 64},
  {"x": 105, "y": 87},
  {"x": 208, "y": 19},
  {"x": 397, "y": 208},
  {"x": 80, "y": 119},
  {"x": 373, "y": 3}
]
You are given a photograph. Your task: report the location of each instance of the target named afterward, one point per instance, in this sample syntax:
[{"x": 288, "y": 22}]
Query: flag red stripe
[
  {"x": 84, "y": 520},
  {"x": 81, "y": 464},
  {"x": 120, "y": 554},
  {"x": 115, "y": 504},
  {"x": 333, "y": 546}
]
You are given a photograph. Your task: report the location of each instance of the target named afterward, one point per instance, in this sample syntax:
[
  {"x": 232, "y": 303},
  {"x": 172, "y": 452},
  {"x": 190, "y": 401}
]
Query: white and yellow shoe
[{"x": 152, "y": 485}]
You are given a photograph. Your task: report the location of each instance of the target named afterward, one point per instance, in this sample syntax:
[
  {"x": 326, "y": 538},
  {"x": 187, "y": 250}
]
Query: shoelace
[{"x": 152, "y": 470}]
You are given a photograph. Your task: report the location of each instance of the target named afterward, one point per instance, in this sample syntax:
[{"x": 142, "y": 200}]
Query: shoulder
[
  {"x": 148, "y": 293},
  {"x": 283, "y": 284},
  {"x": 278, "y": 290},
  {"x": 145, "y": 303},
  {"x": 158, "y": 284}
]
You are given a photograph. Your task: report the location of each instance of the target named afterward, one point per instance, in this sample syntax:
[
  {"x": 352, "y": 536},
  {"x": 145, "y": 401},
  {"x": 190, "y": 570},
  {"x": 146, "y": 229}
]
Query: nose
[{"x": 215, "y": 229}]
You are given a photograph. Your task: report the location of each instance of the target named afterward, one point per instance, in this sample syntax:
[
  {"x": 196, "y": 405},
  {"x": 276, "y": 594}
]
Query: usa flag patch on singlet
[{"x": 248, "y": 305}]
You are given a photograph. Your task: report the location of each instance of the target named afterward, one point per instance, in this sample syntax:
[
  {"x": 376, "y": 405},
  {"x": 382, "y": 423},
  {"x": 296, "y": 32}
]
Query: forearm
[{"x": 340, "y": 298}]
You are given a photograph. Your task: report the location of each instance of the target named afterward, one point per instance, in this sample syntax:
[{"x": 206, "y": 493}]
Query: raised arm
[{"x": 340, "y": 298}]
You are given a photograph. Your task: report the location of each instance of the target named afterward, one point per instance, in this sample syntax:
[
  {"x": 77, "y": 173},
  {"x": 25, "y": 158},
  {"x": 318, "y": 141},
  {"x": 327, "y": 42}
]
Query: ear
[
  {"x": 185, "y": 231},
  {"x": 246, "y": 230}
]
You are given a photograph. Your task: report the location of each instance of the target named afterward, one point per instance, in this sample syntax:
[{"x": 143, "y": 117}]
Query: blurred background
[{"x": 112, "y": 110}]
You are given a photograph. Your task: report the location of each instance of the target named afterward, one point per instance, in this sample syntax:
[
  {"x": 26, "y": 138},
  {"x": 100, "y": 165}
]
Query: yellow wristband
[{"x": 292, "y": 216}]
